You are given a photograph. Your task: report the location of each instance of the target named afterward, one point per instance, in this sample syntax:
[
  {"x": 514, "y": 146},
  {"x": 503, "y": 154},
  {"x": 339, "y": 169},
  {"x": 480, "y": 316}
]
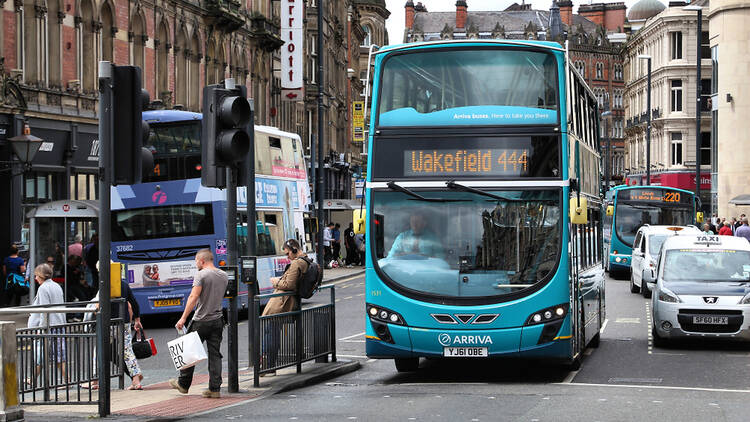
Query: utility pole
[{"x": 320, "y": 190}]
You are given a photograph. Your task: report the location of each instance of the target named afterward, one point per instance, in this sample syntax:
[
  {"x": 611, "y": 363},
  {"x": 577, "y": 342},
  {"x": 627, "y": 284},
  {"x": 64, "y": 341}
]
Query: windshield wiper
[
  {"x": 399, "y": 188},
  {"x": 455, "y": 186}
]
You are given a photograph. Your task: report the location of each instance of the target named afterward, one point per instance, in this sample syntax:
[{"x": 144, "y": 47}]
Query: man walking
[
  {"x": 209, "y": 286},
  {"x": 352, "y": 255},
  {"x": 743, "y": 230},
  {"x": 336, "y": 246},
  {"x": 327, "y": 245}
]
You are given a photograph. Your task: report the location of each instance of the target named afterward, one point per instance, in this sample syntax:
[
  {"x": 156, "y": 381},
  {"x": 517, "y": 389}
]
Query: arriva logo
[{"x": 445, "y": 340}]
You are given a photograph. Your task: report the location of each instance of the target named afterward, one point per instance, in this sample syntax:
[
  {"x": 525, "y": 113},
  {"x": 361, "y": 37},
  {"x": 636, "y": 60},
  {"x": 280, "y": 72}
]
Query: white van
[
  {"x": 648, "y": 241},
  {"x": 702, "y": 288}
]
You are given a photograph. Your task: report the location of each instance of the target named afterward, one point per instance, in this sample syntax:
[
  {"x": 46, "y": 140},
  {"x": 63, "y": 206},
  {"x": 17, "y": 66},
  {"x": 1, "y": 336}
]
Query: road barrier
[
  {"x": 291, "y": 338},
  {"x": 57, "y": 364}
]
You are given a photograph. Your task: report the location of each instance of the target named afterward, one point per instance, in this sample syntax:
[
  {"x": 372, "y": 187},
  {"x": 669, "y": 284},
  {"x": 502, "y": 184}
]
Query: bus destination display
[
  {"x": 656, "y": 195},
  {"x": 466, "y": 162}
]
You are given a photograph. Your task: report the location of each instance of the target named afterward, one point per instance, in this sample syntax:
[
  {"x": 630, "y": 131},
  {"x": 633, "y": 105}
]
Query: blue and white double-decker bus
[
  {"x": 160, "y": 224},
  {"x": 477, "y": 150},
  {"x": 630, "y": 207}
]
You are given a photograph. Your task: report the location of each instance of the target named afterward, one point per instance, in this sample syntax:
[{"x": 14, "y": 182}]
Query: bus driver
[{"x": 417, "y": 240}]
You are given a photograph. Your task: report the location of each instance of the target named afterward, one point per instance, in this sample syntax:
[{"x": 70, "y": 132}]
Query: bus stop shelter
[{"x": 52, "y": 228}]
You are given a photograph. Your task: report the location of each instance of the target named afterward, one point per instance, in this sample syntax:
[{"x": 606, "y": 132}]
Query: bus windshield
[
  {"x": 162, "y": 222},
  {"x": 175, "y": 138},
  {"x": 469, "y": 87},
  {"x": 469, "y": 245},
  {"x": 706, "y": 266},
  {"x": 630, "y": 216}
]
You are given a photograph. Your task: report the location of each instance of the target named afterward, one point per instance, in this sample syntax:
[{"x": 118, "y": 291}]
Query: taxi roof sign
[
  {"x": 675, "y": 229},
  {"x": 706, "y": 239}
]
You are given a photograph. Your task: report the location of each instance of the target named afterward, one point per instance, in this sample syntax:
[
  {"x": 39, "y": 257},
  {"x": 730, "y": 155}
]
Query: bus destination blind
[
  {"x": 656, "y": 196},
  {"x": 467, "y": 162}
]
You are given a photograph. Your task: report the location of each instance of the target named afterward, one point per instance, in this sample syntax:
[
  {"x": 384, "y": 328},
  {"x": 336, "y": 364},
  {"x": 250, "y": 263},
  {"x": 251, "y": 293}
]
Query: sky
[{"x": 395, "y": 23}]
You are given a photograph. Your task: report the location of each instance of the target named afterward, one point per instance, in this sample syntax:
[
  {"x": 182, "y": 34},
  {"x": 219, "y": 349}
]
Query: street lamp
[
  {"x": 607, "y": 162},
  {"x": 648, "y": 113},
  {"x": 699, "y": 9},
  {"x": 25, "y": 146}
]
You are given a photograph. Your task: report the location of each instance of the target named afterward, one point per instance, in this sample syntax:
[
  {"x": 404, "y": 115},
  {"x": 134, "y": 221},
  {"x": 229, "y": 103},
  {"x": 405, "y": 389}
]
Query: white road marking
[
  {"x": 628, "y": 321},
  {"x": 348, "y": 297},
  {"x": 604, "y": 326},
  {"x": 658, "y": 387},
  {"x": 360, "y": 295},
  {"x": 351, "y": 356},
  {"x": 352, "y": 336},
  {"x": 570, "y": 377},
  {"x": 345, "y": 280}
]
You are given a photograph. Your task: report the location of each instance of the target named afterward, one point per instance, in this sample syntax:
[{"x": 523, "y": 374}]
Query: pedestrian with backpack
[{"x": 289, "y": 282}]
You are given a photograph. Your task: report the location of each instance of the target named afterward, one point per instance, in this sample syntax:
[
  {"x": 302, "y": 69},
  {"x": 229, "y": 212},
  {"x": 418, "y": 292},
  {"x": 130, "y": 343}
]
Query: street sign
[{"x": 358, "y": 122}]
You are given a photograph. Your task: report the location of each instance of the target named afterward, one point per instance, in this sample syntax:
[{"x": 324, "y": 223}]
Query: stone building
[
  {"x": 729, "y": 40},
  {"x": 668, "y": 36},
  {"x": 595, "y": 36}
]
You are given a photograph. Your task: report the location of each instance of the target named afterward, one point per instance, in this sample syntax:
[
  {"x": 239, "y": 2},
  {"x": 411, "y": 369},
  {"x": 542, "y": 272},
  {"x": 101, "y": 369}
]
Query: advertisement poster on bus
[
  {"x": 271, "y": 193},
  {"x": 164, "y": 273}
]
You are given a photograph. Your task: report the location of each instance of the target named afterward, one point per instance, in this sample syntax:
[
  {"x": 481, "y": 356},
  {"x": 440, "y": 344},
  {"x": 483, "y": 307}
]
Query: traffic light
[
  {"x": 225, "y": 140},
  {"x": 129, "y": 129}
]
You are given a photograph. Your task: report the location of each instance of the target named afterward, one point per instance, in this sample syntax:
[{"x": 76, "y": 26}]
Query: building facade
[
  {"x": 670, "y": 38},
  {"x": 729, "y": 38},
  {"x": 49, "y": 53},
  {"x": 595, "y": 36}
]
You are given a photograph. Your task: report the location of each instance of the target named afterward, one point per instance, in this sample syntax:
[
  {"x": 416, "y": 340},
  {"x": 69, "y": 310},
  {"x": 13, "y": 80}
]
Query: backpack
[
  {"x": 310, "y": 280},
  {"x": 17, "y": 284}
]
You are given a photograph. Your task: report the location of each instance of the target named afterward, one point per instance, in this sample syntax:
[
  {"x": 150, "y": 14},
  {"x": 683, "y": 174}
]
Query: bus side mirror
[
  {"x": 610, "y": 210},
  {"x": 358, "y": 218},
  {"x": 579, "y": 210},
  {"x": 699, "y": 216}
]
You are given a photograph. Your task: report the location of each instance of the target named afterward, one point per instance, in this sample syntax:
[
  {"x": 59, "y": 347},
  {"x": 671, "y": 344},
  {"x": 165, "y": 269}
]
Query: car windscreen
[{"x": 714, "y": 265}]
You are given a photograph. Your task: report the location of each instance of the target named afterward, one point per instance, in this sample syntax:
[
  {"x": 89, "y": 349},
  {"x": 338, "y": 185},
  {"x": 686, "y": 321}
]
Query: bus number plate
[
  {"x": 711, "y": 320},
  {"x": 167, "y": 302},
  {"x": 462, "y": 352}
]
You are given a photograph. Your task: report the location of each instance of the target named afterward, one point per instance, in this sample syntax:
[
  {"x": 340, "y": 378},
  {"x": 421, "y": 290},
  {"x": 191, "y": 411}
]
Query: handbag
[
  {"x": 187, "y": 351},
  {"x": 143, "y": 348},
  {"x": 17, "y": 284}
]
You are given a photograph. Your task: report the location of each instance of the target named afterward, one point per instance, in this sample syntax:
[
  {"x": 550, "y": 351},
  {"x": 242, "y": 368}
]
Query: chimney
[
  {"x": 461, "y": 14},
  {"x": 555, "y": 22},
  {"x": 566, "y": 11},
  {"x": 409, "y": 14},
  {"x": 420, "y": 7}
]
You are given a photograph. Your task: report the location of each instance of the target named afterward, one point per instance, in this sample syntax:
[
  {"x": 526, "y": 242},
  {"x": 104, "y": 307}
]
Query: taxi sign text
[{"x": 706, "y": 239}]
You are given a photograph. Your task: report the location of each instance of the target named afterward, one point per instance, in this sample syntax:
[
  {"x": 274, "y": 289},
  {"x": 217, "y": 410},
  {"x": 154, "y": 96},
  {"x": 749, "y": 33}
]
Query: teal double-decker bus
[
  {"x": 630, "y": 207},
  {"x": 484, "y": 234}
]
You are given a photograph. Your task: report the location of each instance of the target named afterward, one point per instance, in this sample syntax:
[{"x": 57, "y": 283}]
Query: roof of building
[
  {"x": 511, "y": 21},
  {"x": 380, "y": 3},
  {"x": 645, "y": 9}
]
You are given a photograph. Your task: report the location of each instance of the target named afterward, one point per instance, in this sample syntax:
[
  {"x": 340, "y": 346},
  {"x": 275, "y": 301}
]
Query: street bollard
[{"x": 9, "y": 410}]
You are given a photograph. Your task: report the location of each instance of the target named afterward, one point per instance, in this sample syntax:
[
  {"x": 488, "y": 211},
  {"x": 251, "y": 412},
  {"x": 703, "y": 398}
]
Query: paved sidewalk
[
  {"x": 332, "y": 275},
  {"x": 160, "y": 401}
]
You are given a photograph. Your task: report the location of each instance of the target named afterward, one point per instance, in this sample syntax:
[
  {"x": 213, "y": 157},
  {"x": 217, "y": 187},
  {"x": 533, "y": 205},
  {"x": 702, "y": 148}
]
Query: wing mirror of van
[
  {"x": 358, "y": 218},
  {"x": 648, "y": 276},
  {"x": 610, "y": 210}
]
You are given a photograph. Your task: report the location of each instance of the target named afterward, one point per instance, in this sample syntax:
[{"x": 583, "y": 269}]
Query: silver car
[{"x": 702, "y": 288}]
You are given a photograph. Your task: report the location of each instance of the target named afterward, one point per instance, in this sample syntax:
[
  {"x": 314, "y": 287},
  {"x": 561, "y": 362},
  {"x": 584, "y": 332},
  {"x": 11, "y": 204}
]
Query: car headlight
[
  {"x": 665, "y": 295},
  {"x": 745, "y": 300}
]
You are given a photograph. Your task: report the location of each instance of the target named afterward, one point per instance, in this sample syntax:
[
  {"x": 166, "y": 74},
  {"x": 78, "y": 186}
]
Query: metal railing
[
  {"x": 56, "y": 364},
  {"x": 291, "y": 338}
]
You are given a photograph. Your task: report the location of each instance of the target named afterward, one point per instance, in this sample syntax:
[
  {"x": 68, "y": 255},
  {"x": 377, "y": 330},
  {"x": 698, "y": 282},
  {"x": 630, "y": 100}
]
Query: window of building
[
  {"x": 705, "y": 46},
  {"x": 676, "y": 148},
  {"x": 618, "y": 72},
  {"x": 368, "y": 35},
  {"x": 705, "y": 148},
  {"x": 599, "y": 71},
  {"x": 676, "y": 85},
  {"x": 312, "y": 71},
  {"x": 705, "y": 94},
  {"x": 675, "y": 43}
]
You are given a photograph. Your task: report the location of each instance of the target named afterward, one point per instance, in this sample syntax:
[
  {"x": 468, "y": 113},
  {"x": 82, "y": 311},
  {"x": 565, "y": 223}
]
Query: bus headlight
[
  {"x": 553, "y": 313},
  {"x": 665, "y": 295},
  {"x": 380, "y": 314},
  {"x": 618, "y": 259}
]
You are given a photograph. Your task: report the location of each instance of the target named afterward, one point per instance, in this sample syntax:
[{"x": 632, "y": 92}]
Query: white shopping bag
[{"x": 186, "y": 351}]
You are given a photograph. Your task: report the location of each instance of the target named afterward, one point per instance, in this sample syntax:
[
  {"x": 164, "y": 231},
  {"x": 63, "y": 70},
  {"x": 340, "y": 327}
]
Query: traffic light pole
[
  {"x": 251, "y": 235},
  {"x": 232, "y": 259},
  {"x": 105, "y": 184},
  {"x": 319, "y": 191}
]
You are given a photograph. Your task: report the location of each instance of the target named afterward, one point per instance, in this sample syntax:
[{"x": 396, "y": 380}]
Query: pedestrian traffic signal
[
  {"x": 225, "y": 138},
  {"x": 129, "y": 131}
]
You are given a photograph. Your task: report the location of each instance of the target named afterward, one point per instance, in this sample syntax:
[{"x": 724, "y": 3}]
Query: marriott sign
[{"x": 291, "y": 53}]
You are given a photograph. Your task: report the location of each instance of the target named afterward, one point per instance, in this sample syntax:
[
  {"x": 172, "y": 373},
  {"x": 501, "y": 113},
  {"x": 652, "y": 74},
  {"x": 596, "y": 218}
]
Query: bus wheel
[{"x": 407, "y": 364}]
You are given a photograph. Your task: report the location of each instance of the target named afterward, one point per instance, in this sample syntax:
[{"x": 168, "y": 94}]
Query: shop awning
[{"x": 740, "y": 200}]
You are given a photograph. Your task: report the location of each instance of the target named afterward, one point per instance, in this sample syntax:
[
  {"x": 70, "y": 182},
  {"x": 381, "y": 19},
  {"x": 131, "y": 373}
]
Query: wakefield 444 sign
[{"x": 291, "y": 53}]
